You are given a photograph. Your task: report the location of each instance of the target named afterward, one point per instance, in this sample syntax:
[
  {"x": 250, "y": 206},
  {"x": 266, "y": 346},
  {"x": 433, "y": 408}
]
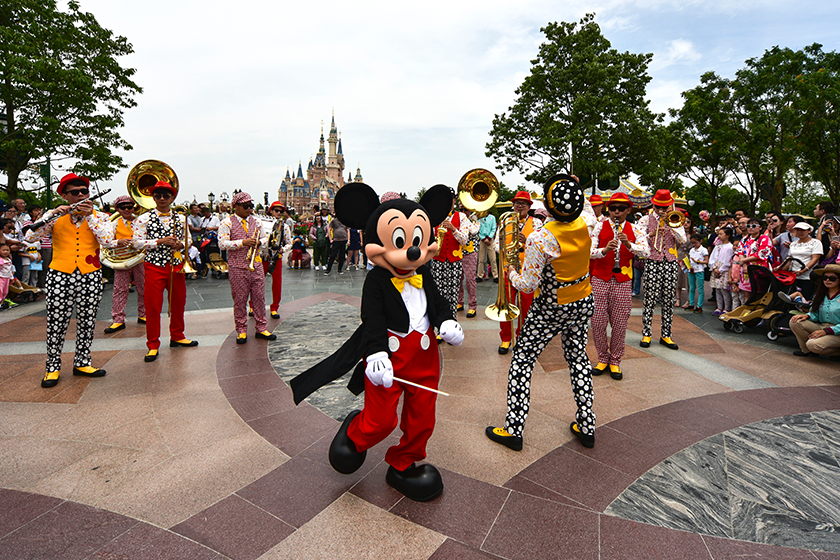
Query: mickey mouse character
[{"x": 400, "y": 308}]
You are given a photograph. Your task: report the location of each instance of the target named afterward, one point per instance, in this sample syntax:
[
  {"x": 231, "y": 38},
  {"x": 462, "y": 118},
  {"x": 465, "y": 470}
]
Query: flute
[{"x": 44, "y": 221}]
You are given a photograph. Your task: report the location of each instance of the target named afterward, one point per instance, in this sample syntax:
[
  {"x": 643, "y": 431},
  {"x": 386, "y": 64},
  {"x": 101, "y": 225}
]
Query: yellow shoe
[
  {"x": 141, "y": 320},
  {"x": 114, "y": 328},
  {"x": 50, "y": 379},
  {"x": 599, "y": 369},
  {"x": 184, "y": 342},
  {"x": 500, "y": 435},
  {"x": 275, "y": 315},
  {"x": 241, "y": 338},
  {"x": 504, "y": 347},
  {"x": 88, "y": 371},
  {"x": 615, "y": 372},
  {"x": 151, "y": 356},
  {"x": 667, "y": 342},
  {"x": 265, "y": 335},
  {"x": 645, "y": 343}
]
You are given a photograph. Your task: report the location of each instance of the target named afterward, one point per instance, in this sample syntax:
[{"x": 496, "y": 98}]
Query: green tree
[
  {"x": 818, "y": 102},
  {"x": 62, "y": 88},
  {"x": 582, "y": 109},
  {"x": 703, "y": 127}
]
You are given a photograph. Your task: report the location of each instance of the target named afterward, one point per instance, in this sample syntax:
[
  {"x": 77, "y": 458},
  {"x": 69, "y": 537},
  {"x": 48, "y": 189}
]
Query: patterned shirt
[{"x": 153, "y": 225}]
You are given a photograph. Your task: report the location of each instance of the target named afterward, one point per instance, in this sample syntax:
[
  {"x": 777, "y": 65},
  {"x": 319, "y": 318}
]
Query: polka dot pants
[
  {"x": 660, "y": 286},
  {"x": 447, "y": 276},
  {"x": 546, "y": 319},
  {"x": 64, "y": 292}
]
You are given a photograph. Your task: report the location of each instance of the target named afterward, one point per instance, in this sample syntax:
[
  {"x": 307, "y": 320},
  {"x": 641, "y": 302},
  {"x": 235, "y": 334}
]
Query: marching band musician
[
  {"x": 123, "y": 237},
  {"x": 556, "y": 262},
  {"x": 240, "y": 234},
  {"x": 611, "y": 280},
  {"x": 75, "y": 275},
  {"x": 527, "y": 225},
  {"x": 446, "y": 265},
  {"x": 161, "y": 232},
  {"x": 277, "y": 241},
  {"x": 661, "y": 268}
]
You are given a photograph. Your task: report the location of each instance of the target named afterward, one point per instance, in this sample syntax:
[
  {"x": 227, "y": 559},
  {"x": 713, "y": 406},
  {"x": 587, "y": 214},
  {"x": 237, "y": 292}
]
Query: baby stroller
[
  {"x": 211, "y": 255},
  {"x": 763, "y": 308}
]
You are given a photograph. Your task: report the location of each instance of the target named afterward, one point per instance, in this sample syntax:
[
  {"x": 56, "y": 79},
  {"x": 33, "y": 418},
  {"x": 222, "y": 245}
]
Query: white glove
[
  {"x": 450, "y": 331},
  {"x": 379, "y": 369}
]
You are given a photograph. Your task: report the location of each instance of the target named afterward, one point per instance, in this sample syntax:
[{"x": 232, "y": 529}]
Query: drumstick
[{"x": 421, "y": 386}]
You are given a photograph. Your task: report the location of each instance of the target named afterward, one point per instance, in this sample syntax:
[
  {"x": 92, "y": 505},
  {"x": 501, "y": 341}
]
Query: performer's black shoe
[
  {"x": 504, "y": 347},
  {"x": 151, "y": 356},
  {"x": 241, "y": 338},
  {"x": 250, "y": 313},
  {"x": 265, "y": 335},
  {"x": 419, "y": 483},
  {"x": 500, "y": 435},
  {"x": 586, "y": 440},
  {"x": 645, "y": 343},
  {"x": 668, "y": 343},
  {"x": 114, "y": 328},
  {"x": 599, "y": 369},
  {"x": 88, "y": 371},
  {"x": 185, "y": 342},
  {"x": 344, "y": 457},
  {"x": 275, "y": 315},
  {"x": 50, "y": 379},
  {"x": 141, "y": 320},
  {"x": 615, "y": 372}
]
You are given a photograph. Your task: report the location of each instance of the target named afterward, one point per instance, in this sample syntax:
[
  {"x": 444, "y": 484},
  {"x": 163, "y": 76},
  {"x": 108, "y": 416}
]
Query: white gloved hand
[
  {"x": 379, "y": 369},
  {"x": 450, "y": 331}
]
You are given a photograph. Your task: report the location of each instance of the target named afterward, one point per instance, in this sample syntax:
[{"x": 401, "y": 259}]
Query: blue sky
[{"x": 236, "y": 92}]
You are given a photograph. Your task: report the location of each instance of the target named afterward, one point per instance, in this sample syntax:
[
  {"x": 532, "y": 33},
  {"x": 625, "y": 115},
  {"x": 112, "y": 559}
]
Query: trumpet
[
  {"x": 503, "y": 310},
  {"x": 255, "y": 250}
]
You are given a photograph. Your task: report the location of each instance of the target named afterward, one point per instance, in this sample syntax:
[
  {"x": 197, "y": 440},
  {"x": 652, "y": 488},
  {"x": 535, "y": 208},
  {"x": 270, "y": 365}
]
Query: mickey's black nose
[{"x": 413, "y": 253}]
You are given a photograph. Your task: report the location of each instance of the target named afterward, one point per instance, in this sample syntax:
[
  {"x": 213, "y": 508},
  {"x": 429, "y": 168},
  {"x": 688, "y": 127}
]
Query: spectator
[
  {"x": 698, "y": 259},
  {"x": 353, "y": 248},
  {"x": 738, "y": 297},
  {"x": 338, "y": 234},
  {"x": 318, "y": 239},
  {"x": 756, "y": 249},
  {"x": 486, "y": 235},
  {"x": 720, "y": 262},
  {"x": 775, "y": 224},
  {"x": 818, "y": 332},
  {"x": 807, "y": 251},
  {"x": 783, "y": 240}
]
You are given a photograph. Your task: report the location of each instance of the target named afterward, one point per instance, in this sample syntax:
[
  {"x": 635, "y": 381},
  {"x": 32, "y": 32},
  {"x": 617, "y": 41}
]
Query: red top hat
[
  {"x": 71, "y": 178},
  {"x": 595, "y": 200},
  {"x": 164, "y": 185},
  {"x": 523, "y": 195},
  {"x": 621, "y": 198},
  {"x": 662, "y": 198}
]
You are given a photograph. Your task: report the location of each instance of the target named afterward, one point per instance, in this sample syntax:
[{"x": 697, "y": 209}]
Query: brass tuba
[
  {"x": 478, "y": 190},
  {"x": 503, "y": 310}
]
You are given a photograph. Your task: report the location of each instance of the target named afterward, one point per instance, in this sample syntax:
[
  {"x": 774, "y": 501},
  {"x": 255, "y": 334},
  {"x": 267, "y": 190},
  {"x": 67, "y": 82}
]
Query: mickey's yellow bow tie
[{"x": 416, "y": 281}]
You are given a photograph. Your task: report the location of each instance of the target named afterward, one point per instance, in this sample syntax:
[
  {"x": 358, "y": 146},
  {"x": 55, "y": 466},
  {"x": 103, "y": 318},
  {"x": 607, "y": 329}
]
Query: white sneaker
[{"x": 317, "y": 268}]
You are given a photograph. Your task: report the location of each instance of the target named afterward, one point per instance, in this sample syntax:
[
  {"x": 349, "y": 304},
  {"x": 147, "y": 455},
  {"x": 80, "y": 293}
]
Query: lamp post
[{"x": 211, "y": 198}]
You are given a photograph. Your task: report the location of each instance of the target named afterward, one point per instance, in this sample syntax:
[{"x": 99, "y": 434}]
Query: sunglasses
[
  {"x": 248, "y": 206},
  {"x": 750, "y": 226},
  {"x": 125, "y": 207},
  {"x": 78, "y": 192},
  {"x": 617, "y": 208},
  {"x": 830, "y": 278},
  {"x": 162, "y": 196}
]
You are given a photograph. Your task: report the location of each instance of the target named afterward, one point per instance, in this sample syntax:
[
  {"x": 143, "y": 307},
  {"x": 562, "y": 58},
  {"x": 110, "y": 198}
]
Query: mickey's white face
[{"x": 407, "y": 242}]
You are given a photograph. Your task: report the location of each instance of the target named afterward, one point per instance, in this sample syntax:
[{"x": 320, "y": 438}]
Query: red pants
[
  {"x": 157, "y": 280},
  {"x": 379, "y": 416},
  {"x": 524, "y": 304},
  {"x": 276, "y": 283}
]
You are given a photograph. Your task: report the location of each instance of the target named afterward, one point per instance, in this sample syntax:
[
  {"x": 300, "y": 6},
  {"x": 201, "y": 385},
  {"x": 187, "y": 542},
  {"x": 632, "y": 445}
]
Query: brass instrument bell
[{"x": 478, "y": 190}]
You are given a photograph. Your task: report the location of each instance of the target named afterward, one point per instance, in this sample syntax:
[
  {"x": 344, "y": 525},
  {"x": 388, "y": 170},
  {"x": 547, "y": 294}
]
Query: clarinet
[
  {"x": 44, "y": 221},
  {"x": 616, "y": 230}
]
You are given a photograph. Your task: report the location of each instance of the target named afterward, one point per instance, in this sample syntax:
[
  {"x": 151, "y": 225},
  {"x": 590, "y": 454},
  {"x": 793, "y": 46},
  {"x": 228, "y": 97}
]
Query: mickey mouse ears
[{"x": 354, "y": 204}]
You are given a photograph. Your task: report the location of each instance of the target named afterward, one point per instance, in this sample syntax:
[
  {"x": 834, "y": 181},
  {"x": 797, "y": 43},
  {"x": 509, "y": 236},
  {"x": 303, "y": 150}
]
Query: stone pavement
[{"x": 727, "y": 448}]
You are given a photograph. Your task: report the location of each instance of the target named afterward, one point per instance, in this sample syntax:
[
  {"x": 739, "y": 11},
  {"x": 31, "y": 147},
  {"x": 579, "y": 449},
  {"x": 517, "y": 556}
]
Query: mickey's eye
[
  {"x": 418, "y": 236},
  {"x": 398, "y": 238}
]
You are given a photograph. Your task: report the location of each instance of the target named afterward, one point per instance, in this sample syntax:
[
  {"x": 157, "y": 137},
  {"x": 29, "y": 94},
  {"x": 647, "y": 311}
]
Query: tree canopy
[
  {"x": 62, "y": 89},
  {"x": 582, "y": 109}
]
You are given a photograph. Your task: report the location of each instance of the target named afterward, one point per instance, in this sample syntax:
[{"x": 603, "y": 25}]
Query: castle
[{"x": 324, "y": 176}]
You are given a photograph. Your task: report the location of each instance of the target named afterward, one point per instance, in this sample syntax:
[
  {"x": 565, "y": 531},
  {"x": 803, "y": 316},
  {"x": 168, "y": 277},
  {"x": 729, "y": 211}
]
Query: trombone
[{"x": 673, "y": 219}]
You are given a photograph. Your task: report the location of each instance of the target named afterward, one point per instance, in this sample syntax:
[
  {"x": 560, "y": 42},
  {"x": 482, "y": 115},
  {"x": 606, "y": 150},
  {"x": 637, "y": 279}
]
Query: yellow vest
[
  {"x": 573, "y": 262},
  {"x": 74, "y": 247},
  {"x": 123, "y": 230}
]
